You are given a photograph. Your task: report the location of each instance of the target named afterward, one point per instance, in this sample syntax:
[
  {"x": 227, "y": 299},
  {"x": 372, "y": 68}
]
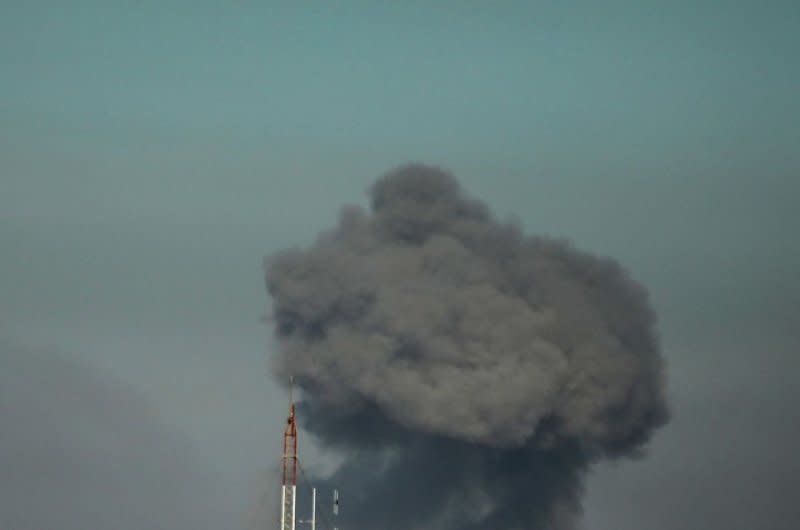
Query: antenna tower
[{"x": 289, "y": 490}]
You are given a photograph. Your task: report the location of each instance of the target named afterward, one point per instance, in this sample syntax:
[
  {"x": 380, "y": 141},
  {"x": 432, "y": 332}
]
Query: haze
[{"x": 152, "y": 153}]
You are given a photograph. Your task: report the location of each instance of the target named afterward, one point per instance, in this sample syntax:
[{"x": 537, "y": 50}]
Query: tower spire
[{"x": 289, "y": 490}]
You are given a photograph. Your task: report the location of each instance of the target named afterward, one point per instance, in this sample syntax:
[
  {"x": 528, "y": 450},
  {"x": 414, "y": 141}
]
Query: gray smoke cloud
[{"x": 469, "y": 373}]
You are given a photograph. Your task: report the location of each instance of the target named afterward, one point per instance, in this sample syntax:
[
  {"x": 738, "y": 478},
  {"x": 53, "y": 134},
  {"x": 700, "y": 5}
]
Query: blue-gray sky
[{"x": 151, "y": 153}]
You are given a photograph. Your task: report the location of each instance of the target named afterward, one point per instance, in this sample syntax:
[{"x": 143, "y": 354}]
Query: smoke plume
[
  {"x": 469, "y": 373},
  {"x": 80, "y": 450}
]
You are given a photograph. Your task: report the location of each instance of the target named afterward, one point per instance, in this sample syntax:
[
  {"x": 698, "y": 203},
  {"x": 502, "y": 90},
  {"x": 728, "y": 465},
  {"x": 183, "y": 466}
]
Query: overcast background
[{"x": 151, "y": 153}]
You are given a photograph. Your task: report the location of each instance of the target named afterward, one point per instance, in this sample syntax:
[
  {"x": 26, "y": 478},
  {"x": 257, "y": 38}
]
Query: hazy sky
[{"x": 151, "y": 153}]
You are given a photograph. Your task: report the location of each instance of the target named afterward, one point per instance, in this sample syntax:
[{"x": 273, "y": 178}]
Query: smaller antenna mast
[{"x": 335, "y": 505}]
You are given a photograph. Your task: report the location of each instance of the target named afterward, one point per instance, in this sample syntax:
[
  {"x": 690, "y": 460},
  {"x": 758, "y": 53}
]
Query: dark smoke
[{"x": 469, "y": 373}]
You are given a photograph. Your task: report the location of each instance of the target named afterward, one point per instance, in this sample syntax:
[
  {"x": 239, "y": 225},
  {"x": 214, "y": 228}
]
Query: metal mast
[{"x": 289, "y": 490}]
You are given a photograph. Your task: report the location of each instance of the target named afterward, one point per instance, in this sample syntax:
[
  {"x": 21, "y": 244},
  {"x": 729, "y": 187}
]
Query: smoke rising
[{"x": 470, "y": 373}]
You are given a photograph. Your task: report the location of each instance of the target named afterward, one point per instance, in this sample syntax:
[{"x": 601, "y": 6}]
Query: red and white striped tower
[{"x": 289, "y": 490}]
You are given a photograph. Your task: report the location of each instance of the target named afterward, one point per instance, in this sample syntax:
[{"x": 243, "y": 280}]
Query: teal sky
[{"x": 151, "y": 153}]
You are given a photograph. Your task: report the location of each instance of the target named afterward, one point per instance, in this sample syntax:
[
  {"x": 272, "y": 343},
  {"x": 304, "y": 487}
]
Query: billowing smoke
[{"x": 470, "y": 374}]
